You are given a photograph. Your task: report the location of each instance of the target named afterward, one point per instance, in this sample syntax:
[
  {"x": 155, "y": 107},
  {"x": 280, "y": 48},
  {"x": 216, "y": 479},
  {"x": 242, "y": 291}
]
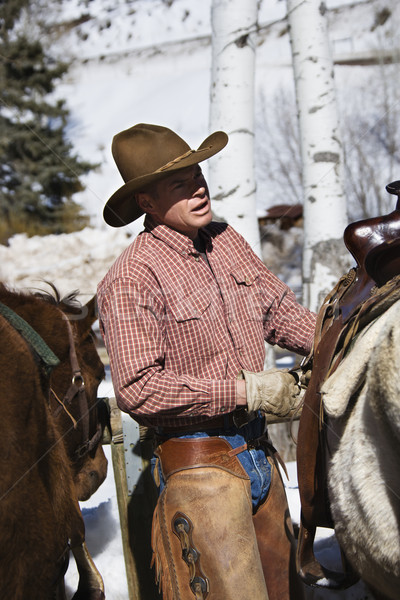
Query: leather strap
[{"x": 237, "y": 418}]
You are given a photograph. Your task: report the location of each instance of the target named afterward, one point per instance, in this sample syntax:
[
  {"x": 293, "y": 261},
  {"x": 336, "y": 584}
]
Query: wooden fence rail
[{"x": 135, "y": 504}]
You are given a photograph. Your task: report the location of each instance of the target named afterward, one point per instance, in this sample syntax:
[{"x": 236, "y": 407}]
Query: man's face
[{"x": 180, "y": 201}]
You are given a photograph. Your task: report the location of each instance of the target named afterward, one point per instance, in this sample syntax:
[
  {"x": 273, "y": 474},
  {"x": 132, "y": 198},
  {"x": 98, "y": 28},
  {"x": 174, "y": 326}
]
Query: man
[{"x": 184, "y": 312}]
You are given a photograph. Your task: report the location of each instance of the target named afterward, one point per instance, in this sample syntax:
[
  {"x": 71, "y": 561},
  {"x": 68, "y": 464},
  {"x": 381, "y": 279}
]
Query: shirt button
[{"x": 222, "y": 409}]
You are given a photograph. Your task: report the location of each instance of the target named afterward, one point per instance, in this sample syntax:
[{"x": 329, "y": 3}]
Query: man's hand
[{"x": 275, "y": 391}]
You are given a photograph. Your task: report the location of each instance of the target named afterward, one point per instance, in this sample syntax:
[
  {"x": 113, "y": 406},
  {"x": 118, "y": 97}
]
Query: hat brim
[{"x": 122, "y": 207}]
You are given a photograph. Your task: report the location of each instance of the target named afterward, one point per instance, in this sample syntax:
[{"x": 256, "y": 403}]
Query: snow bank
[{"x": 71, "y": 261}]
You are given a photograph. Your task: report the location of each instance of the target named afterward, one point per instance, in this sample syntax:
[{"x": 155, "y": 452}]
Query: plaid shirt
[{"x": 178, "y": 331}]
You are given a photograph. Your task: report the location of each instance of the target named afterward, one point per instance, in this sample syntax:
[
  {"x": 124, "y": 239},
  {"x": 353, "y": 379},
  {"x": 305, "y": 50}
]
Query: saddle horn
[{"x": 375, "y": 242}]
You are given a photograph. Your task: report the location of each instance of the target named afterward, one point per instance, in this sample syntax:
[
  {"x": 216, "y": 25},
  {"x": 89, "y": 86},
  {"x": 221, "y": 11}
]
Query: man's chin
[{"x": 205, "y": 219}]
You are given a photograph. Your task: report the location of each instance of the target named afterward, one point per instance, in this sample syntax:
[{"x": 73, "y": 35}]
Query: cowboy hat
[{"x": 144, "y": 154}]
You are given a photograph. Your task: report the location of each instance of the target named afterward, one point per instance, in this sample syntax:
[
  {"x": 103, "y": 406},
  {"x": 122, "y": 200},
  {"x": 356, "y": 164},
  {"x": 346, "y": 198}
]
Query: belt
[{"x": 237, "y": 418}]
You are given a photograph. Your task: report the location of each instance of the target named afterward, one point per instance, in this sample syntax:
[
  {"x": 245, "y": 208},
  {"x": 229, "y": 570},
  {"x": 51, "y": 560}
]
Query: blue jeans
[{"x": 254, "y": 460}]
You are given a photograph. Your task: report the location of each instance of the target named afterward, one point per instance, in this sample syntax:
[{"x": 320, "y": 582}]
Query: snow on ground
[{"x": 70, "y": 261}]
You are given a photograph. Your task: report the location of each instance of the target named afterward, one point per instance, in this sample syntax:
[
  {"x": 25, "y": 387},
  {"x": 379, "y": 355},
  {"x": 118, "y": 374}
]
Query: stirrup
[{"x": 313, "y": 574}]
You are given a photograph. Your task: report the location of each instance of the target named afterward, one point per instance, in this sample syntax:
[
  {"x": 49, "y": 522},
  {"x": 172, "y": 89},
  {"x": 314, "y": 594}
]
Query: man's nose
[
  {"x": 200, "y": 187},
  {"x": 200, "y": 190}
]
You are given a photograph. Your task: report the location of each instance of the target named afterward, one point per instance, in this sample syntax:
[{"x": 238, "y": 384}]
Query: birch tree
[
  {"x": 325, "y": 217},
  {"x": 231, "y": 175}
]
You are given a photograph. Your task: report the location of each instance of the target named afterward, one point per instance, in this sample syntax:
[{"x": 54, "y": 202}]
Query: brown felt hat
[{"x": 144, "y": 154}]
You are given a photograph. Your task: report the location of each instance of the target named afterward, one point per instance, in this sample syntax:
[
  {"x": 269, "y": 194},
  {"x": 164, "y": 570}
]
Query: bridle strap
[{"x": 77, "y": 388}]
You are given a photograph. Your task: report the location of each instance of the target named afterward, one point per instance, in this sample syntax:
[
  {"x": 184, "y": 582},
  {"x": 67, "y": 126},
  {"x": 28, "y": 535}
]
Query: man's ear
[{"x": 145, "y": 202}]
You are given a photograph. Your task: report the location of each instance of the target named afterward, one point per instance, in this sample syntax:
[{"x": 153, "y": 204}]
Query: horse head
[
  {"x": 79, "y": 414},
  {"x": 66, "y": 327}
]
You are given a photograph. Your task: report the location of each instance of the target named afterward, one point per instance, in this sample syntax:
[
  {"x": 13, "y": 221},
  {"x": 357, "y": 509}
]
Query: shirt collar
[{"x": 177, "y": 241}]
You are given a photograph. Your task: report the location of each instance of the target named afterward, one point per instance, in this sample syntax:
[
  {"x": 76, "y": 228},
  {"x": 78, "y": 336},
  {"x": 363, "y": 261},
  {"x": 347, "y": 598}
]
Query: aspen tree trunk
[
  {"x": 231, "y": 174},
  {"x": 325, "y": 258}
]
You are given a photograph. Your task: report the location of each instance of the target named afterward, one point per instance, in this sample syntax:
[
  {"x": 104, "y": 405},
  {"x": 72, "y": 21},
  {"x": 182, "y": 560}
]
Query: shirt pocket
[
  {"x": 245, "y": 274},
  {"x": 191, "y": 328},
  {"x": 190, "y": 307},
  {"x": 245, "y": 297}
]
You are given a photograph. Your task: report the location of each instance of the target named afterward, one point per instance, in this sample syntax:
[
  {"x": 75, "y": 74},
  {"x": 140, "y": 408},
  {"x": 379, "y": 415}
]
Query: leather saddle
[{"x": 358, "y": 297}]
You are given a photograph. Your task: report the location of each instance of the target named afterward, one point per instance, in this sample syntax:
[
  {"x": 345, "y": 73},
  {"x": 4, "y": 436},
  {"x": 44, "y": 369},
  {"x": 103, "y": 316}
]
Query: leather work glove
[{"x": 275, "y": 391}]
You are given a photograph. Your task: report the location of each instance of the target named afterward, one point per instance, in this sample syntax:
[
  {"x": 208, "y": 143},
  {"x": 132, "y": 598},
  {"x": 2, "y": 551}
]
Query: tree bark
[
  {"x": 231, "y": 175},
  {"x": 325, "y": 258}
]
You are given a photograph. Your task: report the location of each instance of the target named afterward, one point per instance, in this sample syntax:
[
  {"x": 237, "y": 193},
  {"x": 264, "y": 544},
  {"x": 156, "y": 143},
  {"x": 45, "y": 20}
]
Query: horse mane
[{"x": 68, "y": 303}]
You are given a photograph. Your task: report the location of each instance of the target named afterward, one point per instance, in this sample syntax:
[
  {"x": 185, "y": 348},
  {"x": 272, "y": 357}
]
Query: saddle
[{"x": 360, "y": 296}]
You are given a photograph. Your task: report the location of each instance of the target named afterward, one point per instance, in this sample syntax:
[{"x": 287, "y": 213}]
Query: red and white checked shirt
[{"x": 178, "y": 332}]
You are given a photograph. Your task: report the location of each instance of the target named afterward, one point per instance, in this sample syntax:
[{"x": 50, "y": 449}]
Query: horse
[
  {"x": 50, "y": 450},
  {"x": 347, "y": 415}
]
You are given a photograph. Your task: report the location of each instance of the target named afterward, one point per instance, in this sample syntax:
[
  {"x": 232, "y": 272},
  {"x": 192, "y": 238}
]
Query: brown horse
[{"x": 50, "y": 444}]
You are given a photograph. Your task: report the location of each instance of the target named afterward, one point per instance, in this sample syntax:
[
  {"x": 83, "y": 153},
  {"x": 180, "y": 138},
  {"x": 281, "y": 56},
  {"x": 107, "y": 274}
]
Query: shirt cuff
[{"x": 223, "y": 393}]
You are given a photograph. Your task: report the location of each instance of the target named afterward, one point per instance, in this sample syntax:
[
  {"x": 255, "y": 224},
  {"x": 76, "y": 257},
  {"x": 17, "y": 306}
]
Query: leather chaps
[{"x": 206, "y": 541}]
